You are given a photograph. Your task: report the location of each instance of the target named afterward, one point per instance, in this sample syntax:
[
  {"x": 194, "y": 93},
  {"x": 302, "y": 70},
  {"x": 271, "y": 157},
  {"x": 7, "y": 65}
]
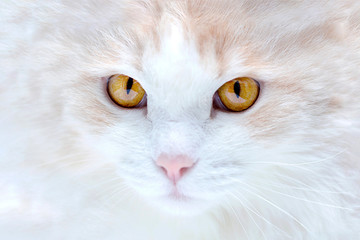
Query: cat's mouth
[
  {"x": 179, "y": 204},
  {"x": 176, "y": 195}
]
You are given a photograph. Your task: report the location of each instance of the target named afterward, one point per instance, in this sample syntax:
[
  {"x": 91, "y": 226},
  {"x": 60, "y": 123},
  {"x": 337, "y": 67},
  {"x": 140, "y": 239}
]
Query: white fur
[{"x": 75, "y": 166}]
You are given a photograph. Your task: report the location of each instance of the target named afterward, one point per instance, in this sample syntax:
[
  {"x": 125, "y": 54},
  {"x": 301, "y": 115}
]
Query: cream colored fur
[{"x": 73, "y": 165}]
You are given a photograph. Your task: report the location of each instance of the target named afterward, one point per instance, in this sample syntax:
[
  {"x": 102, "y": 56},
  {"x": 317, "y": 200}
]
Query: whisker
[
  {"x": 246, "y": 209},
  {"x": 274, "y": 205},
  {"x": 263, "y": 218},
  {"x": 304, "y": 199},
  {"x": 308, "y": 187},
  {"x": 237, "y": 217},
  {"x": 297, "y": 164}
]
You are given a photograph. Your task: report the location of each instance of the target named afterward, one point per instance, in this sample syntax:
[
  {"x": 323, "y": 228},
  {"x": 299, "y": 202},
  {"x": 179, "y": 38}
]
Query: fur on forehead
[
  {"x": 251, "y": 29},
  {"x": 244, "y": 26}
]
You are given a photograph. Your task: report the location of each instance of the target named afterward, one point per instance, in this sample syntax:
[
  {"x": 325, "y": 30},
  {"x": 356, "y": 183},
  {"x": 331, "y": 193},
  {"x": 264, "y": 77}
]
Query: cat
[{"x": 186, "y": 159}]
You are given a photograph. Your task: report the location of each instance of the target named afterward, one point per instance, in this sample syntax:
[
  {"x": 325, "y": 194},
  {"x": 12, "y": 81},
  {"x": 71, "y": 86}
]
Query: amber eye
[
  {"x": 239, "y": 94},
  {"x": 125, "y": 91}
]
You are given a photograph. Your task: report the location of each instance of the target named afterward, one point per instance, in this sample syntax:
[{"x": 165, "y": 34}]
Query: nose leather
[{"x": 174, "y": 166}]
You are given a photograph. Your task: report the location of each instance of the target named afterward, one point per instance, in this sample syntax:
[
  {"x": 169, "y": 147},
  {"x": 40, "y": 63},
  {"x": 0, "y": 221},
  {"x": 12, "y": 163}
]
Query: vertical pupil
[
  {"x": 129, "y": 85},
  {"x": 237, "y": 89}
]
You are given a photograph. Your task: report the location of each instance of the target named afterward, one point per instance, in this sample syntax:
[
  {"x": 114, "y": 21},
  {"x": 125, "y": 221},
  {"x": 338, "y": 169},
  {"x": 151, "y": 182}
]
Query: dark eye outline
[
  {"x": 141, "y": 104},
  {"x": 218, "y": 104}
]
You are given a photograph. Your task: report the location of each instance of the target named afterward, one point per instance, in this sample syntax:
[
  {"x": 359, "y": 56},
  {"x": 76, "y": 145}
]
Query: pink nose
[{"x": 174, "y": 166}]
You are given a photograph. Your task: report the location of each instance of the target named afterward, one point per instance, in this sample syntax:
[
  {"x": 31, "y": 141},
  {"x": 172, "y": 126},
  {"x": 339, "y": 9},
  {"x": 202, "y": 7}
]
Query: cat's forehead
[
  {"x": 177, "y": 61},
  {"x": 183, "y": 31},
  {"x": 175, "y": 75},
  {"x": 179, "y": 49},
  {"x": 229, "y": 35}
]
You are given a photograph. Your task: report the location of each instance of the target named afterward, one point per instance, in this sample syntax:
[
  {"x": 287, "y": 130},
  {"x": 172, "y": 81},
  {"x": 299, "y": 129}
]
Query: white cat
[{"x": 238, "y": 119}]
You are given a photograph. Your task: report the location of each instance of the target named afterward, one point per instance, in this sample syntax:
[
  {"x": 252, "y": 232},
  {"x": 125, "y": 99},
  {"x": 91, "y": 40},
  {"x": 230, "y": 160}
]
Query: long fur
[{"x": 73, "y": 165}]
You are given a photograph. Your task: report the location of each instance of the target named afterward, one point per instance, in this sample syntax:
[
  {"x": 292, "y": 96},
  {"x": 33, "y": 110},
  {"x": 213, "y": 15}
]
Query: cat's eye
[
  {"x": 125, "y": 91},
  {"x": 239, "y": 94}
]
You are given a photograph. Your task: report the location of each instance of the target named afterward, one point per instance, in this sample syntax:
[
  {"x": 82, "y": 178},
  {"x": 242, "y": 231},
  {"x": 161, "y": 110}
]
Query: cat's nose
[{"x": 174, "y": 166}]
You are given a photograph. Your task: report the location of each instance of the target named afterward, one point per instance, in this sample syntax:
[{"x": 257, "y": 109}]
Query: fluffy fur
[{"x": 73, "y": 165}]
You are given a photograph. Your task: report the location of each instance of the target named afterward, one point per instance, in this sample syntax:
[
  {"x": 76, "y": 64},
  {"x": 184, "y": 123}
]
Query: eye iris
[
  {"x": 125, "y": 91},
  {"x": 239, "y": 94}
]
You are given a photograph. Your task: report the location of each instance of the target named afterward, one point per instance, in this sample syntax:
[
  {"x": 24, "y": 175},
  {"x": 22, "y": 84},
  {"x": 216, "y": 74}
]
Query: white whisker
[
  {"x": 304, "y": 199},
  {"x": 237, "y": 217},
  {"x": 274, "y": 205},
  {"x": 247, "y": 209}
]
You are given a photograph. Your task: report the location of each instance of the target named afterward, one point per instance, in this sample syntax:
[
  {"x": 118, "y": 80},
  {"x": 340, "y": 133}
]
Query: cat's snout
[{"x": 174, "y": 166}]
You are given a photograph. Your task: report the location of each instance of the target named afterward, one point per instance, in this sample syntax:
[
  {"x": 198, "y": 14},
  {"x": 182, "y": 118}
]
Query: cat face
[
  {"x": 181, "y": 65},
  {"x": 181, "y": 54}
]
